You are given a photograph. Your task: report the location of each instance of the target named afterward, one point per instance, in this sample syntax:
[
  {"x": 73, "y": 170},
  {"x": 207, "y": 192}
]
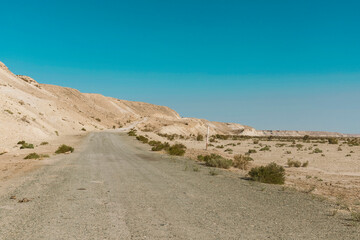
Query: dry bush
[
  {"x": 214, "y": 160},
  {"x": 293, "y": 163},
  {"x": 177, "y": 149},
  {"x": 64, "y": 149},
  {"x": 271, "y": 173},
  {"x": 242, "y": 162}
]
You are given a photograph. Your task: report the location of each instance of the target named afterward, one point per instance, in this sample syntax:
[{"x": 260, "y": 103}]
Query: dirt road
[{"x": 112, "y": 188}]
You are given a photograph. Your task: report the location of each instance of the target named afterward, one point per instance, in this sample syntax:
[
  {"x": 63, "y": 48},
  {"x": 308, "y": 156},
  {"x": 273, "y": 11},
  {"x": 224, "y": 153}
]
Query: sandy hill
[{"x": 32, "y": 111}]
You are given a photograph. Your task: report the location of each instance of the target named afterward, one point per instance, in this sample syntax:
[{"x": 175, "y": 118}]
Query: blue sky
[{"x": 292, "y": 65}]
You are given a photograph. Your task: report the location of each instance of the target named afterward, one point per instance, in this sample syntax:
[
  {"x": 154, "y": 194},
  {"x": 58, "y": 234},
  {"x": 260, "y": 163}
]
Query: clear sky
[{"x": 290, "y": 65}]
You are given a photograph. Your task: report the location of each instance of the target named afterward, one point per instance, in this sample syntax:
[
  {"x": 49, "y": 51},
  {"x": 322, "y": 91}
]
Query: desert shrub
[
  {"x": 98, "y": 119},
  {"x": 288, "y": 152},
  {"x": 317, "y": 150},
  {"x": 271, "y": 173},
  {"x": 142, "y": 139},
  {"x": 333, "y": 141},
  {"x": 200, "y": 137},
  {"x": 36, "y": 156},
  {"x": 228, "y": 150},
  {"x": 214, "y": 160},
  {"x": 266, "y": 148},
  {"x": 242, "y": 162},
  {"x": 306, "y": 137},
  {"x": 32, "y": 156},
  {"x": 177, "y": 149},
  {"x": 64, "y": 148},
  {"x": 154, "y": 143},
  {"x": 132, "y": 133},
  {"x": 44, "y": 143},
  {"x": 57, "y": 133},
  {"x": 305, "y": 164},
  {"x": 339, "y": 149},
  {"x": 280, "y": 144},
  {"x": 27, "y": 145},
  {"x": 8, "y": 111},
  {"x": 21, "y": 142},
  {"x": 170, "y": 137},
  {"x": 83, "y": 129},
  {"x": 220, "y": 146},
  {"x": 299, "y": 146},
  {"x": 252, "y": 151},
  {"x": 256, "y": 141},
  {"x": 293, "y": 163},
  {"x": 200, "y": 158},
  {"x": 353, "y": 142},
  {"x": 158, "y": 146}
]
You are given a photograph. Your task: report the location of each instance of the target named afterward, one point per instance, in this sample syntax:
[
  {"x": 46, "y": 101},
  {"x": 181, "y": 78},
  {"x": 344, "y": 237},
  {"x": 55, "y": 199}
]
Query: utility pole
[{"x": 207, "y": 138}]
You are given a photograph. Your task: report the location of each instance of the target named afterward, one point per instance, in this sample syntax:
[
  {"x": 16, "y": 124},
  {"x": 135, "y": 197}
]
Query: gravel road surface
[{"x": 112, "y": 187}]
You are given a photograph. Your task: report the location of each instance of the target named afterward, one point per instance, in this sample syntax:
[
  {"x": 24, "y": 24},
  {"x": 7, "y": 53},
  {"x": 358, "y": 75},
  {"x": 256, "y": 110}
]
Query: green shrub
[
  {"x": 252, "y": 151},
  {"x": 32, "y": 156},
  {"x": 44, "y": 143},
  {"x": 36, "y": 156},
  {"x": 200, "y": 137},
  {"x": 214, "y": 160},
  {"x": 306, "y": 138},
  {"x": 83, "y": 129},
  {"x": 27, "y": 145},
  {"x": 293, "y": 163},
  {"x": 98, "y": 119},
  {"x": 158, "y": 146},
  {"x": 299, "y": 146},
  {"x": 8, "y": 111},
  {"x": 177, "y": 149},
  {"x": 220, "y": 146},
  {"x": 200, "y": 158},
  {"x": 317, "y": 150},
  {"x": 21, "y": 142},
  {"x": 242, "y": 162},
  {"x": 154, "y": 143},
  {"x": 64, "y": 148},
  {"x": 142, "y": 139},
  {"x": 132, "y": 133},
  {"x": 271, "y": 173},
  {"x": 333, "y": 141},
  {"x": 266, "y": 148}
]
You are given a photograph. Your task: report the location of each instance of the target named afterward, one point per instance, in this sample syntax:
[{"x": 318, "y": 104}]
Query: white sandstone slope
[{"x": 37, "y": 112}]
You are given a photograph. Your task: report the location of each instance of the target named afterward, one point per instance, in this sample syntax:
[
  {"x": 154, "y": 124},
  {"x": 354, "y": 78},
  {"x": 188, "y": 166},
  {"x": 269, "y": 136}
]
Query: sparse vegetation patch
[
  {"x": 214, "y": 160},
  {"x": 64, "y": 149},
  {"x": 177, "y": 149},
  {"x": 242, "y": 162},
  {"x": 271, "y": 173}
]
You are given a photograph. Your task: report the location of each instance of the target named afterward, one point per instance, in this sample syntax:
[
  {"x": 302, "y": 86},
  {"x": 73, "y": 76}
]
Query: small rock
[{"x": 24, "y": 200}]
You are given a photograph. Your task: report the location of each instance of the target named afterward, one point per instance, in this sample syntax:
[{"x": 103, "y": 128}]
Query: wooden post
[{"x": 207, "y": 138}]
